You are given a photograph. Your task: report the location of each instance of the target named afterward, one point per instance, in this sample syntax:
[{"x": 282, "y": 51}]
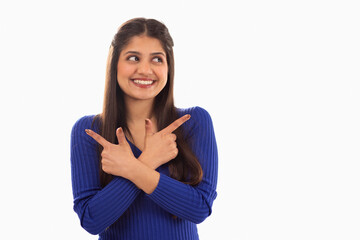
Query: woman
[{"x": 143, "y": 169}]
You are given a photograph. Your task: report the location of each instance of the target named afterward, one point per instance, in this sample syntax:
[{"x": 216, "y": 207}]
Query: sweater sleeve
[
  {"x": 97, "y": 208},
  {"x": 185, "y": 201}
]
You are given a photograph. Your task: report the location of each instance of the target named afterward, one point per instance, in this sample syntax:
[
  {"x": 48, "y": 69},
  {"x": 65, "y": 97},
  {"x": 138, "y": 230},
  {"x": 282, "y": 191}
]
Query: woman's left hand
[
  {"x": 116, "y": 158},
  {"x": 160, "y": 147}
]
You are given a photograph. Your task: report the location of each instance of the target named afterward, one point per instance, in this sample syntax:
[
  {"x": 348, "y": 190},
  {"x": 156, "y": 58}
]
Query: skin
[{"x": 143, "y": 58}]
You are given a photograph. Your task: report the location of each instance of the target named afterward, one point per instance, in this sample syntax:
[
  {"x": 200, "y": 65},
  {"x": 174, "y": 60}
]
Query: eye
[
  {"x": 157, "y": 59},
  {"x": 133, "y": 58}
]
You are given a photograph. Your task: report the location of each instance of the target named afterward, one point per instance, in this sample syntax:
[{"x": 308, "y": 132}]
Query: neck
[{"x": 138, "y": 110}]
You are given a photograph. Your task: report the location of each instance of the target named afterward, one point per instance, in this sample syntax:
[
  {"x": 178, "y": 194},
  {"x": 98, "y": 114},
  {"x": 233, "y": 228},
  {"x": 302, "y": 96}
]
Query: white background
[{"x": 279, "y": 78}]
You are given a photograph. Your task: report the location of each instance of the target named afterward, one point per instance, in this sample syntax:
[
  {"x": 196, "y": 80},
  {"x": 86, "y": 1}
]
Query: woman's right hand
[{"x": 160, "y": 147}]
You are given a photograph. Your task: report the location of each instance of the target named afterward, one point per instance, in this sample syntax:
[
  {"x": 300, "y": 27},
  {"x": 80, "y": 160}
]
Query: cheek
[
  {"x": 163, "y": 73},
  {"x": 125, "y": 70}
]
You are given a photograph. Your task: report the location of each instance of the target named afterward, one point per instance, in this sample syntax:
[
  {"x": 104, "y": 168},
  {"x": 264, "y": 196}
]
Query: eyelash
[
  {"x": 129, "y": 58},
  {"x": 160, "y": 60}
]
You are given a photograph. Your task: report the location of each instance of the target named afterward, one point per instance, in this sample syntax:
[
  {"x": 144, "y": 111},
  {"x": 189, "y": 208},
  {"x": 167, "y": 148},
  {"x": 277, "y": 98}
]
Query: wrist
[
  {"x": 145, "y": 159},
  {"x": 143, "y": 177},
  {"x": 129, "y": 169}
]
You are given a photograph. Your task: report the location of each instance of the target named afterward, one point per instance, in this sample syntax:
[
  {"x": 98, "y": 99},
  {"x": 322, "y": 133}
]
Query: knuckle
[
  {"x": 104, "y": 154},
  {"x": 174, "y": 153}
]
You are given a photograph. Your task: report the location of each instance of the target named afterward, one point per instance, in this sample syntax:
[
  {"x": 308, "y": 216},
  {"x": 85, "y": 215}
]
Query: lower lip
[{"x": 143, "y": 85}]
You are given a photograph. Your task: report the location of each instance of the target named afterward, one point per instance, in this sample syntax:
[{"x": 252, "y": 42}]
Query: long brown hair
[{"x": 185, "y": 167}]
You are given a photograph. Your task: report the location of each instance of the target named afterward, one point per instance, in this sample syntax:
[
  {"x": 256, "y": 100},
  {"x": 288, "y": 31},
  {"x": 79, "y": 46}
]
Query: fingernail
[
  {"x": 87, "y": 131},
  {"x": 188, "y": 116}
]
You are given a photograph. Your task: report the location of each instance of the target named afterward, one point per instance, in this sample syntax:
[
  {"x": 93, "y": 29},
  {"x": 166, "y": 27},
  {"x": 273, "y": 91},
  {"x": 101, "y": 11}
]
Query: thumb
[
  {"x": 148, "y": 127},
  {"x": 120, "y": 135}
]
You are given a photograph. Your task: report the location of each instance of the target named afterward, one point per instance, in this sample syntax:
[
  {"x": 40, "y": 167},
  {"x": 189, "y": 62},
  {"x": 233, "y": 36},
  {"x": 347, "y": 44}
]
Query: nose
[{"x": 145, "y": 68}]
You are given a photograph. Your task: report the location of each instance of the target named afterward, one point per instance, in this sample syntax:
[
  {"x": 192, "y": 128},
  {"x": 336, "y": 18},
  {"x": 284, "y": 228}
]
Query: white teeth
[{"x": 143, "y": 82}]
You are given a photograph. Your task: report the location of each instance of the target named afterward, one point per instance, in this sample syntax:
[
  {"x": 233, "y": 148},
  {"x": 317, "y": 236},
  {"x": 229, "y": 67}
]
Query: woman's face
[{"x": 142, "y": 68}]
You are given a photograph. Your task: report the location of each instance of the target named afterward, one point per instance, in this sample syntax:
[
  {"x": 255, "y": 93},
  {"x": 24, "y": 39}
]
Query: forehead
[{"x": 143, "y": 44}]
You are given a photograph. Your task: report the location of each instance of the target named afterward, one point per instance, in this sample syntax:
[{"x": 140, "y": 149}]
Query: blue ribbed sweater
[{"x": 122, "y": 211}]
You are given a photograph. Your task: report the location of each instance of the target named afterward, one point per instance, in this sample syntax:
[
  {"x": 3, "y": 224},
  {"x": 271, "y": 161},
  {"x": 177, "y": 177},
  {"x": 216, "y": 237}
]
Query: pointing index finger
[
  {"x": 177, "y": 123},
  {"x": 102, "y": 141}
]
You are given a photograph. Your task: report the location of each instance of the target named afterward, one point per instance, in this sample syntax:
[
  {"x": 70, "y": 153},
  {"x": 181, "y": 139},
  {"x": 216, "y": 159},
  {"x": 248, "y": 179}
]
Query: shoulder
[
  {"x": 200, "y": 119},
  {"x": 86, "y": 122},
  {"x": 195, "y": 112},
  {"x": 78, "y": 135}
]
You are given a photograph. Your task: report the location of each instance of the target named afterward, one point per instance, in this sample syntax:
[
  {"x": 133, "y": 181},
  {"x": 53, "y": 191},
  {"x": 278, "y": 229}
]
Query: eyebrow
[{"x": 138, "y": 53}]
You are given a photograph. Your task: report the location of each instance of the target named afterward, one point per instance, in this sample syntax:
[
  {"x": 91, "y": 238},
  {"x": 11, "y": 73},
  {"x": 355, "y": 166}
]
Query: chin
[{"x": 143, "y": 98}]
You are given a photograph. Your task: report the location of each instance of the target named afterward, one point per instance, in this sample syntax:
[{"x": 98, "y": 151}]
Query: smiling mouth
[{"x": 143, "y": 82}]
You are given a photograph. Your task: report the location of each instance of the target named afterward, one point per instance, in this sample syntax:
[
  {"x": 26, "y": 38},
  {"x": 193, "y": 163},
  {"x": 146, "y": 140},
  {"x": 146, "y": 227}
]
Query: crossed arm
[
  {"x": 99, "y": 208},
  {"x": 118, "y": 159}
]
